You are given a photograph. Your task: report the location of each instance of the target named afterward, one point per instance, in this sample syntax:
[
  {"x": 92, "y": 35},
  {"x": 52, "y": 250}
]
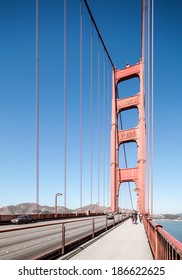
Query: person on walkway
[
  {"x": 140, "y": 217},
  {"x": 132, "y": 218},
  {"x": 135, "y": 217}
]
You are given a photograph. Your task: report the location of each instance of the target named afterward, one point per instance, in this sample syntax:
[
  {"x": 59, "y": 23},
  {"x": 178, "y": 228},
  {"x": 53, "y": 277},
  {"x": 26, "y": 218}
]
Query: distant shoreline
[{"x": 174, "y": 220}]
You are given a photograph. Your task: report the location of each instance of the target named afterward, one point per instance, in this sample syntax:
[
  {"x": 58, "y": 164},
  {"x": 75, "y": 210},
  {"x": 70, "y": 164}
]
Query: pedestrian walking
[
  {"x": 132, "y": 219},
  {"x": 135, "y": 217},
  {"x": 140, "y": 217}
]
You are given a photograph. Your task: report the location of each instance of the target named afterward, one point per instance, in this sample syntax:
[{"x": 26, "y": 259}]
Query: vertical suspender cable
[
  {"x": 65, "y": 84},
  {"x": 91, "y": 101},
  {"x": 111, "y": 62},
  {"x": 81, "y": 105},
  {"x": 108, "y": 135},
  {"x": 145, "y": 75},
  {"x": 98, "y": 121},
  {"x": 37, "y": 105},
  {"x": 148, "y": 102},
  {"x": 144, "y": 49},
  {"x": 117, "y": 156},
  {"x": 104, "y": 106},
  {"x": 152, "y": 109},
  {"x": 143, "y": 30}
]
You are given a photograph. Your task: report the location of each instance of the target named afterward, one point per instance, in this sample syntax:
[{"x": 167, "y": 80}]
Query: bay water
[{"x": 172, "y": 227}]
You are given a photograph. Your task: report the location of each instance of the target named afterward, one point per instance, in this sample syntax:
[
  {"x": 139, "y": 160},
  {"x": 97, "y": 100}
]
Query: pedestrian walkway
[{"x": 125, "y": 242}]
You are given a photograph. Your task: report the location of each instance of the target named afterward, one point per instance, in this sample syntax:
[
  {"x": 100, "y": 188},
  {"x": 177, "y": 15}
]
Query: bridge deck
[{"x": 125, "y": 242}]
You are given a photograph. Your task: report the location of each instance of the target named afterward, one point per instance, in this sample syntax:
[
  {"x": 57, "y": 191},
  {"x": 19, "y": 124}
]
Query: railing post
[
  {"x": 93, "y": 228},
  {"x": 156, "y": 243},
  {"x": 149, "y": 231},
  {"x": 63, "y": 238},
  {"x": 106, "y": 222}
]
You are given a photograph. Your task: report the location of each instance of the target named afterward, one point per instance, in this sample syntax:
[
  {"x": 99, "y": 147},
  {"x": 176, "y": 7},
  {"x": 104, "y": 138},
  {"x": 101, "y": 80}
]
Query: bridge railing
[
  {"x": 51, "y": 216},
  {"x": 163, "y": 245},
  {"x": 70, "y": 234}
]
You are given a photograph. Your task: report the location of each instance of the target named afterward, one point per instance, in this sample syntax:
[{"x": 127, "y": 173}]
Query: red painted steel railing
[
  {"x": 8, "y": 218},
  {"x": 163, "y": 245},
  {"x": 81, "y": 232}
]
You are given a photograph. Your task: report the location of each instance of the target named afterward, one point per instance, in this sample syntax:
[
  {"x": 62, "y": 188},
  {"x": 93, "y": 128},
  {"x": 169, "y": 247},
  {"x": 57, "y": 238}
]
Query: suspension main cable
[{"x": 100, "y": 37}]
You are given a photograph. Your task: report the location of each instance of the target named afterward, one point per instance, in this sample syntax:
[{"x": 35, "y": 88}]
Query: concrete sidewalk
[{"x": 125, "y": 242}]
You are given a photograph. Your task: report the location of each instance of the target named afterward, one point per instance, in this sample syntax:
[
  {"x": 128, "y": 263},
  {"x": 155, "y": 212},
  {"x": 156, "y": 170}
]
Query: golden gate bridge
[{"x": 110, "y": 136}]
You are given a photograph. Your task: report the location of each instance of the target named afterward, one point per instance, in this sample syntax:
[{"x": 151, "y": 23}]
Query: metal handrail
[
  {"x": 93, "y": 229},
  {"x": 163, "y": 245},
  {"x": 47, "y": 225}
]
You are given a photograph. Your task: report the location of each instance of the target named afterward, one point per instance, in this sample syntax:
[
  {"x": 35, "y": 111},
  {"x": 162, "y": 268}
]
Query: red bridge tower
[{"x": 137, "y": 134}]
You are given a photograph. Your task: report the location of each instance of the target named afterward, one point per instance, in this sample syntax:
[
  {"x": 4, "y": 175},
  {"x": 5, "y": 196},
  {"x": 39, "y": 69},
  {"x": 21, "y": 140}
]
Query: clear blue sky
[{"x": 119, "y": 22}]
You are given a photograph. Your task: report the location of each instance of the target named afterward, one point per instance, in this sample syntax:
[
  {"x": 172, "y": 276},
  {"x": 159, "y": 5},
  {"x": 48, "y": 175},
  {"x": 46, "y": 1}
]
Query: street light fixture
[{"x": 56, "y": 196}]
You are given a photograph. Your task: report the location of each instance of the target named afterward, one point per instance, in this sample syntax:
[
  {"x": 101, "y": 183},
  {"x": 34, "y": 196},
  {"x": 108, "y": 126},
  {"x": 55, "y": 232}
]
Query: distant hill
[
  {"x": 172, "y": 216},
  {"x": 92, "y": 208},
  {"x": 30, "y": 208},
  {"x": 168, "y": 216}
]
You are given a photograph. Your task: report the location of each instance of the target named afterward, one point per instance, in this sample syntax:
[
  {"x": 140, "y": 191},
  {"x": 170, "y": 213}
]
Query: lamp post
[{"x": 56, "y": 196}]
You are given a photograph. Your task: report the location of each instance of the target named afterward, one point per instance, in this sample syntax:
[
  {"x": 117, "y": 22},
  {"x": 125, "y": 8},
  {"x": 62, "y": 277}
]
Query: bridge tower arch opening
[
  {"x": 127, "y": 196},
  {"x": 128, "y": 155},
  {"x": 128, "y": 87},
  {"x": 128, "y": 119},
  {"x": 120, "y": 136}
]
